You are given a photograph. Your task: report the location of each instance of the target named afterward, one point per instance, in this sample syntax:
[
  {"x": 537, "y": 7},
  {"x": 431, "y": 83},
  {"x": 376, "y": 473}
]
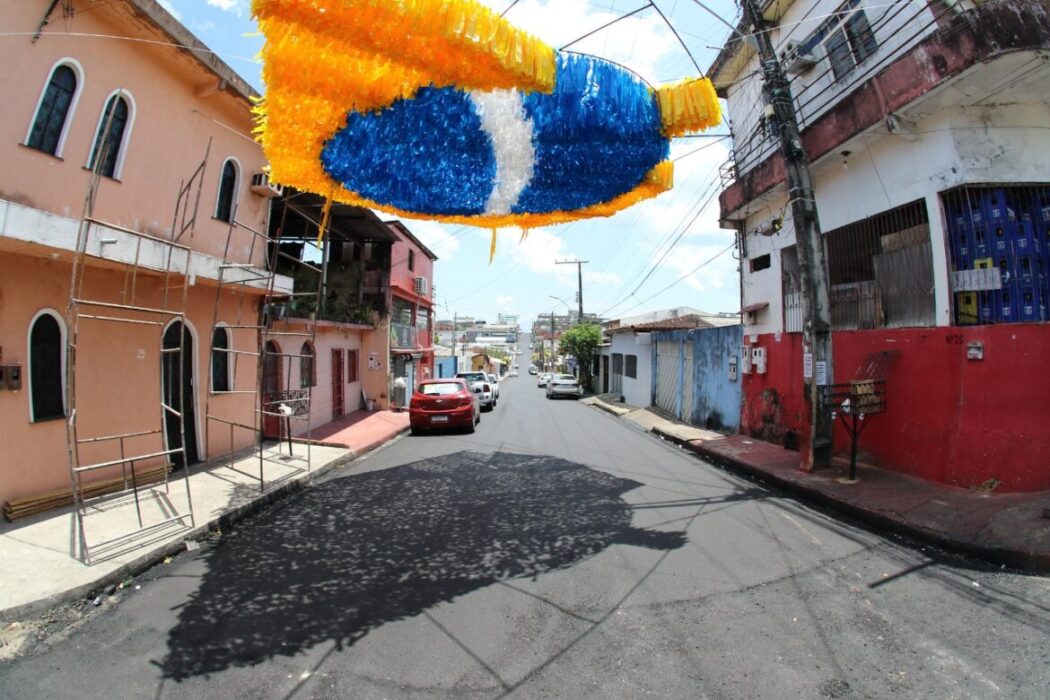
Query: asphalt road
[{"x": 557, "y": 552}]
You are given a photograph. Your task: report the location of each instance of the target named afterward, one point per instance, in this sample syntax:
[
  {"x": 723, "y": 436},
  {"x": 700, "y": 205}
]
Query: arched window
[
  {"x": 46, "y": 373},
  {"x": 227, "y": 191},
  {"x": 109, "y": 139},
  {"x": 52, "y": 114},
  {"x": 306, "y": 366},
  {"x": 220, "y": 359}
]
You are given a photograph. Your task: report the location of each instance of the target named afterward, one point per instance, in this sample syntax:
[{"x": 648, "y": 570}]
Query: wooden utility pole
[
  {"x": 579, "y": 278},
  {"x": 816, "y": 304}
]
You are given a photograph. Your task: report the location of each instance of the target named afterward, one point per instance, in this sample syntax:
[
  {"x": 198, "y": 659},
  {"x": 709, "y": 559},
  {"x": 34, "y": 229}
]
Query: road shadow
[{"x": 334, "y": 562}]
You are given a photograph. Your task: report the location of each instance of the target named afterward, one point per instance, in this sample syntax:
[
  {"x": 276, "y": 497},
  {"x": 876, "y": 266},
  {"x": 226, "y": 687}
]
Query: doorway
[
  {"x": 271, "y": 387},
  {"x": 177, "y": 390},
  {"x": 337, "y": 383}
]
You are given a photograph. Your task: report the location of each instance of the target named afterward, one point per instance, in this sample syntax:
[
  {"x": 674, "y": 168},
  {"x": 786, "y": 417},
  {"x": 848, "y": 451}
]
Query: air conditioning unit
[
  {"x": 795, "y": 61},
  {"x": 262, "y": 186},
  {"x": 422, "y": 286}
]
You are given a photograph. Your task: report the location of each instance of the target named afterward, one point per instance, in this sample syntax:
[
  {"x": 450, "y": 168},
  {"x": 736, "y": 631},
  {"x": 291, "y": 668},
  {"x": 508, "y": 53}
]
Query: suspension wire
[
  {"x": 509, "y": 8},
  {"x": 677, "y": 36},
  {"x": 646, "y": 6}
]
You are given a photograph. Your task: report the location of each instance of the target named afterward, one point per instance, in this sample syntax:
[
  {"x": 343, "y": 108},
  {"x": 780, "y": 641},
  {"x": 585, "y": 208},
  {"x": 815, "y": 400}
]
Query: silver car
[{"x": 564, "y": 385}]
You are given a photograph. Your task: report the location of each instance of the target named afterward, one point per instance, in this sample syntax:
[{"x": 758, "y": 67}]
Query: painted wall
[
  {"x": 167, "y": 135},
  {"x": 375, "y": 364},
  {"x": 636, "y": 391},
  {"x": 716, "y": 398},
  {"x": 446, "y": 367},
  {"x": 949, "y": 419},
  {"x": 326, "y": 339},
  {"x": 118, "y": 374}
]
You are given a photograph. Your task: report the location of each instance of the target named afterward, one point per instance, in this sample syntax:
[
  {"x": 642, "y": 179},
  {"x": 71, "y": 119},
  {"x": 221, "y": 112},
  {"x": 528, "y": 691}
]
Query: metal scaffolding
[
  {"x": 254, "y": 328},
  {"x": 88, "y": 304}
]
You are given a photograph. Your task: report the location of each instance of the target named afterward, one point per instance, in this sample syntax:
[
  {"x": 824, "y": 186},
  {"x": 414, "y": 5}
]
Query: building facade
[
  {"x": 412, "y": 316},
  {"x": 145, "y": 114},
  {"x": 924, "y": 128}
]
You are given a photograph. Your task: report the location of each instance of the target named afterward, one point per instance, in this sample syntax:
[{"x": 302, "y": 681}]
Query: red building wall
[{"x": 948, "y": 419}]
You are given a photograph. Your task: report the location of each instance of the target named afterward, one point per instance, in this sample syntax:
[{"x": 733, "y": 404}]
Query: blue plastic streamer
[{"x": 595, "y": 137}]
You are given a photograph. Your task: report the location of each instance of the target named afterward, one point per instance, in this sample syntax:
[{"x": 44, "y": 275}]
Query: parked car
[
  {"x": 512, "y": 373},
  {"x": 544, "y": 378},
  {"x": 443, "y": 403},
  {"x": 533, "y": 370},
  {"x": 479, "y": 383},
  {"x": 495, "y": 386},
  {"x": 564, "y": 385}
]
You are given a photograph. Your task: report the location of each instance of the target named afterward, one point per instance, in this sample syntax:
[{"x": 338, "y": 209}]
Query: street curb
[
  {"x": 612, "y": 410},
  {"x": 169, "y": 549},
  {"x": 1033, "y": 562}
]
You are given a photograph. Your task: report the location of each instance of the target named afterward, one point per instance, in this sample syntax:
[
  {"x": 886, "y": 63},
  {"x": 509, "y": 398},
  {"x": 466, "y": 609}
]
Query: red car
[{"x": 443, "y": 403}]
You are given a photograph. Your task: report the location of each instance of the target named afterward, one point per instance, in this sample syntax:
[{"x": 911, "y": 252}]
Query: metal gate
[
  {"x": 667, "y": 376},
  {"x": 689, "y": 388}
]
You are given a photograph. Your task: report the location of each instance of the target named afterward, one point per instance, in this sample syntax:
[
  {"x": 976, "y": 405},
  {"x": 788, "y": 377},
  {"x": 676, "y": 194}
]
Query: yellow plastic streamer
[
  {"x": 688, "y": 106},
  {"x": 323, "y": 58},
  {"x": 492, "y": 247}
]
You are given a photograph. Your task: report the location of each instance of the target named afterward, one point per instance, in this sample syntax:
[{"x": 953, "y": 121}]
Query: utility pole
[
  {"x": 579, "y": 277},
  {"x": 816, "y": 305}
]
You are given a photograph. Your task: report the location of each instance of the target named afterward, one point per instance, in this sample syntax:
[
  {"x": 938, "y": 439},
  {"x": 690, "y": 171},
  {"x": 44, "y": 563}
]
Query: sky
[{"x": 662, "y": 253}]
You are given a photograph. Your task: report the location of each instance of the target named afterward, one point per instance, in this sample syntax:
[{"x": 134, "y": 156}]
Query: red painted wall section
[
  {"x": 773, "y": 404},
  {"x": 949, "y": 419}
]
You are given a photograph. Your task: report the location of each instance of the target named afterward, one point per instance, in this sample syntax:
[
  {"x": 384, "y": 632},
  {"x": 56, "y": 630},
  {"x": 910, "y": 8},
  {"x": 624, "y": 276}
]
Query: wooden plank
[{"x": 57, "y": 498}]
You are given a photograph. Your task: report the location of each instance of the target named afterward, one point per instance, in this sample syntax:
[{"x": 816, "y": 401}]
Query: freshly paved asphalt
[{"x": 556, "y": 552}]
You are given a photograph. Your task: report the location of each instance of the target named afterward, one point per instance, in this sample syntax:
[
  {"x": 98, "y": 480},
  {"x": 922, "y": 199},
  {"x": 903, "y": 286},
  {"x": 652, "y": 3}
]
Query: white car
[
  {"x": 543, "y": 379},
  {"x": 512, "y": 373},
  {"x": 495, "y": 385},
  {"x": 479, "y": 384},
  {"x": 564, "y": 385}
]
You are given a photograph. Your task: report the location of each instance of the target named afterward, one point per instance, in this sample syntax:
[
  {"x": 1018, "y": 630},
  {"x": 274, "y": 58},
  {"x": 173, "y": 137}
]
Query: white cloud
[
  {"x": 237, "y": 6},
  {"x": 166, "y": 4}
]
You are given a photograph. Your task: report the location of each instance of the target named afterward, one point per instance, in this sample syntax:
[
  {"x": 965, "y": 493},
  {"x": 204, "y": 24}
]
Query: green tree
[{"x": 582, "y": 342}]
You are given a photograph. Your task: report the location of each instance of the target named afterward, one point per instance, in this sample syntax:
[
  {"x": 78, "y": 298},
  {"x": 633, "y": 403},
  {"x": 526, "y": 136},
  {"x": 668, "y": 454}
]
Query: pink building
[
  {"x": 411, "y": 318},
  {"x": 152, "y": 109}
]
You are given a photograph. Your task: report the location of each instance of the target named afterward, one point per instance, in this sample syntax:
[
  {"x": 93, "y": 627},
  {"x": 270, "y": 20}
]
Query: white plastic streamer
[{"x": 503, "y": 119}]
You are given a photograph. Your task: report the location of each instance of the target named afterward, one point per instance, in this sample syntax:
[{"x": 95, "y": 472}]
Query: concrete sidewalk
[
  {"x": 1003, "y": 528},
  {"x": 39, "y": 555}
]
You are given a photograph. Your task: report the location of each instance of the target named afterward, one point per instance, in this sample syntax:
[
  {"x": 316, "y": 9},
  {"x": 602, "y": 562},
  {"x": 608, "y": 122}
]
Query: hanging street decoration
[{"x": 440, "y": 109}]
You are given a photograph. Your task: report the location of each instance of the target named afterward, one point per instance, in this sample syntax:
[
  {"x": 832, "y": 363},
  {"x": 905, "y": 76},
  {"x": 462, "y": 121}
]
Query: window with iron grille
[
  {"x": 881, "y": 270},
  {"x": 220, "y": 359},
  {"x": 307, "y": 378},
  {"x": 632, "y": 366},
  {"x": 50, "y": 119},
  {"x": 227, "y": 191},
  {"x": 45, "y": 368},
  {"x": 847, "y": 38},
  {"x": 351, "y": 366},
  {"x": 617, "y": 363},
  {"x": 110, "y": 137}
]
